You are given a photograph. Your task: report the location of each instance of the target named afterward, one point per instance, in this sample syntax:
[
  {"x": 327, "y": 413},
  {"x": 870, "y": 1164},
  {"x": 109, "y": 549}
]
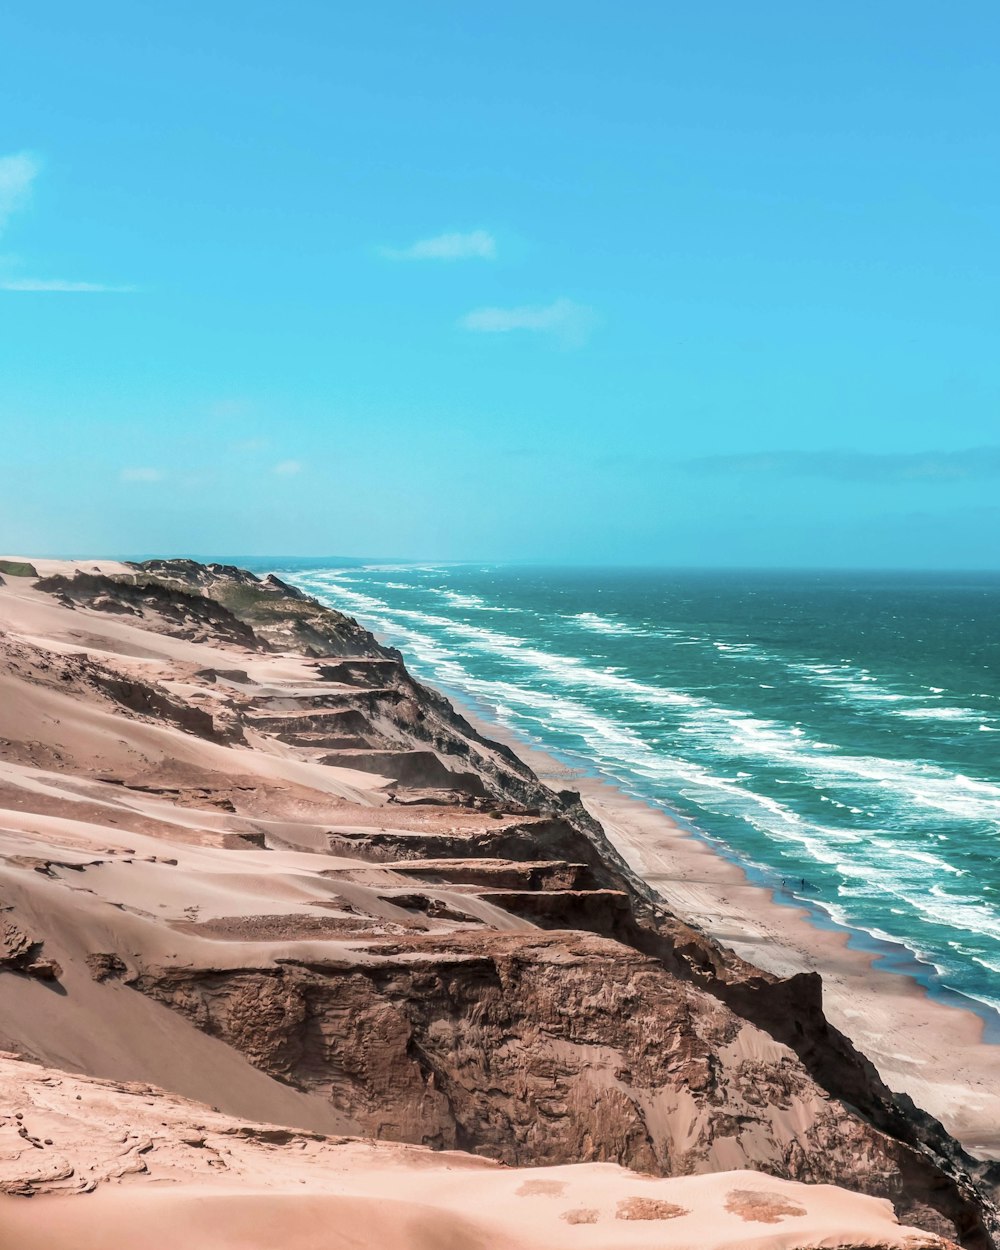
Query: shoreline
[{"x": 937, "y": 1052}]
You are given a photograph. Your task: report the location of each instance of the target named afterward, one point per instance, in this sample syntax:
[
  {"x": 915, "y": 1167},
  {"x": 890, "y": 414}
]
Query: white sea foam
[
  {"x": 568, "y": 669},
  {"x": 542, "y": 691},
  {"x": 986, "y": 999},
  {"x": 726, "y": 732},
  {"x": 743, "y": 650},
  {"x": 476, "y": 602},
  {"x": 595, "y": 623},
  {"x": 850, "y": 683},
  {"x": 605, "y": 625},
  {"x": 937, "y": 713}
]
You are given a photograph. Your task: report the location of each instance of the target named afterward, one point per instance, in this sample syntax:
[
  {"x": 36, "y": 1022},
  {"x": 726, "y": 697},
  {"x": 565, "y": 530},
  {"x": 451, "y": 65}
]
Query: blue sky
[{"x": 652, "y": 283}]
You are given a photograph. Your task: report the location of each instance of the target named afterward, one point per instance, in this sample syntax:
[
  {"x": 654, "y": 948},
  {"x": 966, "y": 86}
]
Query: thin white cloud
[
  {"x": 852, "y": 465},
  {"x": 565, "y": 320},
  {"x": 17, "y": 174},
  {"x": 474, "y": 245},
  {"x": 59, "y": 284},
  {"x": 288, "y": 468},
  {"x": 142, "y": 475}
]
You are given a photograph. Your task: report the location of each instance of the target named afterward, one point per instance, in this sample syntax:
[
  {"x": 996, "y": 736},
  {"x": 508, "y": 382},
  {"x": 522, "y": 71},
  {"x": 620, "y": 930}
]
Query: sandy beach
[{"x": 933, "y": 1052}]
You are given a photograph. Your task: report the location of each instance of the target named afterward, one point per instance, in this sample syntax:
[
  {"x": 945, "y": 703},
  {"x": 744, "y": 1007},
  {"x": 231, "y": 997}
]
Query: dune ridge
[{"x": 247, "y": 859}]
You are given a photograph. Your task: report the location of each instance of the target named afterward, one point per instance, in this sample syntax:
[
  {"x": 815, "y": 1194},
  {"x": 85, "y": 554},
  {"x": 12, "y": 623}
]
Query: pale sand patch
[
  {"x": 438, "y": 1208},
  {"x": 50, "y": 567}
]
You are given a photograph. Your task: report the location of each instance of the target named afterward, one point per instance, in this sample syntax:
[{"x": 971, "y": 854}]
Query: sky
[{"x": 653, "y": 283}]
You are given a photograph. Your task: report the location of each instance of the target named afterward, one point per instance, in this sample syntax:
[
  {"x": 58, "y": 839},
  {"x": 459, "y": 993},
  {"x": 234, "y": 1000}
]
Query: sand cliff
[{"x": 247, "y": 859}]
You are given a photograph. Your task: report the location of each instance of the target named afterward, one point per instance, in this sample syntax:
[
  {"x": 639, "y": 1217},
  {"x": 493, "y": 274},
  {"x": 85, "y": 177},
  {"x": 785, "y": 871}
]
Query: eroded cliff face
[
  {"x": 538, "y": 1050},
  {"x": 231, "y": 815}
]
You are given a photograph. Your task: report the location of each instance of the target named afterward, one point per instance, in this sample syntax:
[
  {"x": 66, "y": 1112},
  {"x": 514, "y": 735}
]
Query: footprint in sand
[
  {"x": 648, "y": 1209},
  {"x": 581, "y": 1215},
  {"x": 762, "y": 1206}
]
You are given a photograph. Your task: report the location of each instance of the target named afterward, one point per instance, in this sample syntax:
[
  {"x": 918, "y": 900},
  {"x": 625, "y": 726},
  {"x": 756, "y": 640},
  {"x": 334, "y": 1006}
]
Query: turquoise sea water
[{"x": 837, "y": 729}]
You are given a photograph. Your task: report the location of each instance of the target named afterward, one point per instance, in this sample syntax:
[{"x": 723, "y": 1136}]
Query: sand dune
[
  {"x": 170, "y": 1173},
  {"x": 246, "y": 859}
]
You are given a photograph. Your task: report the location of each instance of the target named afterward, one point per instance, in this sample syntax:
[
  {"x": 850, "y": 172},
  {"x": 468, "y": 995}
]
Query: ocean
[{"x": 836, "y": 734}]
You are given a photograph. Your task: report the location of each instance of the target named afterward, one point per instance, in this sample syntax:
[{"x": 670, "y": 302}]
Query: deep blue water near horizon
[{"x": 837, "y": 728}]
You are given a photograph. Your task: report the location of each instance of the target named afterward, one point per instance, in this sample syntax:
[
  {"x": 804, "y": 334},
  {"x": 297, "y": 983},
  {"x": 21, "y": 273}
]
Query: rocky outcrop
[
  {"x": 277, "y": 613},
  {"x": 154, "y": 702},
  {"x": 126, "y": 692},
  {"x": 166, "y": 609},
  {"x": 23, "y": 954}
]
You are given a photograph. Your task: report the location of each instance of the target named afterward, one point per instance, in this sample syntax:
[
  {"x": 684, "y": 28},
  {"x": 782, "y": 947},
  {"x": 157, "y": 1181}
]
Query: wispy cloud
[
  {"x": 17, "y": 178},
  {"x": 288, "y": 468},
  {"x": 142, "y": 475},
  {"x": 858, "y": 466},
  {"x": 473, "y": 245},
  {"x": 567, "y": 321},
  {"x": 59, "y": 284},
  {"x": 17, "y": 174}
]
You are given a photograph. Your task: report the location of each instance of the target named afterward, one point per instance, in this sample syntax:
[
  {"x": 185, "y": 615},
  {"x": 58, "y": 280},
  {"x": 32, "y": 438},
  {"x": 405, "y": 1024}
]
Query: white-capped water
[{"x": 851, "y": 769}]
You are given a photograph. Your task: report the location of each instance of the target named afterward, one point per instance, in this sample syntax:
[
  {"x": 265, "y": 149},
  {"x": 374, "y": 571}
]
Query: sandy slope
[
  {"x": 169, "y": 1174},
  {"x": 297, "y": 890}
]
